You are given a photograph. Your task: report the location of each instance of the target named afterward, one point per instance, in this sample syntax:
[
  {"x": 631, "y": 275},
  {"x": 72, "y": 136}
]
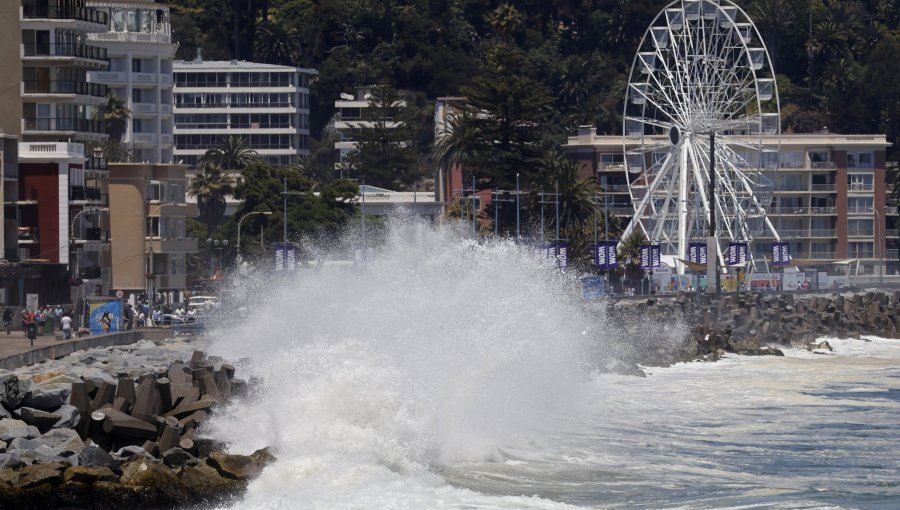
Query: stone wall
[{"x": 759, "y": 323}]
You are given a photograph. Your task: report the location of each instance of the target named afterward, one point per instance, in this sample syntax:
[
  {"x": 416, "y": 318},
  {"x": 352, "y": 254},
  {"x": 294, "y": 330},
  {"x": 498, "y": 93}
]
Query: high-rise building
[
  {"x": 268, "y": 105},
  {"x": 351, "y": 118},
  {"x": 138, "y": 43},
  {"x": 62, "y": 208}
]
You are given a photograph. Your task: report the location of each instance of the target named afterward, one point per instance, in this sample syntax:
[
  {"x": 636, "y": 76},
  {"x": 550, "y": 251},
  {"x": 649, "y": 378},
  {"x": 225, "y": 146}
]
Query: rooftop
[{"x": 234, "y": 65}]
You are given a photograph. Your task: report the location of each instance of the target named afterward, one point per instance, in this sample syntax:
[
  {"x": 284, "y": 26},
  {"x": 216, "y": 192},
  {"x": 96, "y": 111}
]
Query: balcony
[
  {"x": 91, "y": 235},
  {"x": 47, "y": 151},
  {"x": 143, "y": 107},
  {"x": 81, "y": 88},
  {"x": 143, "y": 78},
  {"x": 822, "y": 165},
  {"x": 789, "y": 211},
  {"x": 87, "y": 195},
  {"x": 172, "y": 244},
  {"x": 827, "y": 188},
  {"x": 109, "y": 77},
  {"x": 75, "y": 50},
  {"x": 65, "y": 124},
  {"x": 132, "y": 37},
  {"x": 804, "y": 233},
  {"x": 144, "y": 138},
  {"x": 36, "y": 9},
  {"x": 165, "y": 139}
]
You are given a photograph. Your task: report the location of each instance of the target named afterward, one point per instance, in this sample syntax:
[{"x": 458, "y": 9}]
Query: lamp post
[
  {"x": 517, "y": 208},
  {"x": 267, "y": 213},
  {"x": 72, "y": 239},
  {"x": 218, "y": 246}
]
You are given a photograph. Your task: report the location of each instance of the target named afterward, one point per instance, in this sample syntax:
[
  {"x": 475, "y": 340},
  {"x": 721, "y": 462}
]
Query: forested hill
[{"x": 837, "y": 60}]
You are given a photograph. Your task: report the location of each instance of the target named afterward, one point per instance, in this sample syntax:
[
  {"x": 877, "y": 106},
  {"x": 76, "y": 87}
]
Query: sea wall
[
  {"x": 760, "y": 323},
  {"x": 61, "y": 349}
]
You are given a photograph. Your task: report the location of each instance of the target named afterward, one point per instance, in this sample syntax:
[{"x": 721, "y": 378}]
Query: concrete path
[{"x": 16, "y": 350}]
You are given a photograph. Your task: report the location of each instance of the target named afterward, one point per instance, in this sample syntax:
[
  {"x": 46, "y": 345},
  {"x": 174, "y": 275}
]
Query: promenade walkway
[{"x": 16, "y": 350}]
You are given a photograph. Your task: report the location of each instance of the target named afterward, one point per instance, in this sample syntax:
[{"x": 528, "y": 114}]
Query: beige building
[{"x": 149, "y": 244}]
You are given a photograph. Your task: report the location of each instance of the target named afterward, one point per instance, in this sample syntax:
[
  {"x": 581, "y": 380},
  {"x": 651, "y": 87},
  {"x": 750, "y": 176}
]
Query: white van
[{"x": 202, "y": 302}]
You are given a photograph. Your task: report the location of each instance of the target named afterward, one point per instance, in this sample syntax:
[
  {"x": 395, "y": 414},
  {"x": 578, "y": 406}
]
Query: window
[
  {"x": 819, "y": 156},
  {"x": 137, "y": 126},
  {"x": 136, "y": 96},
  {"x": 860, "y": 204},
  {"x": 860, "y": 182},
  {"x": 135, "y": 65},
  {"x": 859, "y": 227},
  {"x": 792, "y": 159},
  {"x": 152, "y": 227},
  {"x": 791, "y": 183},
  {"x": 153, "y": 190},
  {"x": 860, "y": 250},
  {"x": 860, "y": 160}
]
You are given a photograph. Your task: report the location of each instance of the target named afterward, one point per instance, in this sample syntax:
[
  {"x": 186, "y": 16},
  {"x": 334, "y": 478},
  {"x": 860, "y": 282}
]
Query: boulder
[
  {"x": 69, "y": 417},
  {"x": 205, "y": 481},
  {"x": 20, "y": 443},
  {"x": 46, "y": 398},
  {"x": 176, "y": 457},
  {"x": 11, "y": 429},
  {"x": 13, "y": 460},
  {"x": 89, "y": 475},
  {"x": 239, "y": 467},
  {"x": 40, "y": 419},
  {"x": 64, "y": 440},
  {"x": 39, "y": 474},
  {"x": 12, "y": 390},
  {"x": 4, "y": 413},
  {"x": 127, "y": 452},
  {"x": 94, "y": 456}
]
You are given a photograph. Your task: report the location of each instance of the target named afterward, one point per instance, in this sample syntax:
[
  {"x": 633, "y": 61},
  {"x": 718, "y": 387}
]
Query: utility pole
[{"x": 712, "y": 243}]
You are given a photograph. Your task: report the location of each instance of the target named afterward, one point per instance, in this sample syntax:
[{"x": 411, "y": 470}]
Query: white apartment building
[
  {"x": 138, "y": 43},
  {"x": 266, "y": 104}
]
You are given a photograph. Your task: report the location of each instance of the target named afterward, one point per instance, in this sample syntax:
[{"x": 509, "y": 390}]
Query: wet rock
[
  {"x": 20, "y": 443},
  {"x": 205, "y": 481},
  {"x": 46, "y": 398},
  {"x": 89, "y": 475},
  {"x": 176, "y": 457},
  {"x": 40, "y": 419},
  {"x": 127, "y": 452},
  {"x": 13, "y": 460},
  {"x": 11, "y": 429},
  {"x": 69, "y": 417},
  {"x": 39, "y": 474},
  {"x": 94, "y": 456},
  {"x": 239, "y": 467},
  {"x": 64, "y": 440},
  {"x": 4, "y": 413}
]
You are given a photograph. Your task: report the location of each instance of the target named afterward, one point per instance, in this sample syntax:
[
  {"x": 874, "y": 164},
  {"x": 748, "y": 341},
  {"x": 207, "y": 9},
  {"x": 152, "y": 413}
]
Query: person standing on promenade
[
  {"x": 7, "y": 320},
  {"x": 106, "y": 321},
  {"x": 66, "y": 322}
]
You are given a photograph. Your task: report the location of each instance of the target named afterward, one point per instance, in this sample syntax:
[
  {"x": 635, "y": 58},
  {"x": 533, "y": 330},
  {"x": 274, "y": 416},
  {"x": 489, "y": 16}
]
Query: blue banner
[
  {"x": 650, "y": 256},
  {"x": 285, "y": 256},
  {"x": 781, "y": 254},
  {"x": 605, "y": 255},
  {"x": 98, "y": 308},
  {"x": 556, "y": 253},
  {"x": 737, "y": 254},
  {"x": 697, "y": 253}
]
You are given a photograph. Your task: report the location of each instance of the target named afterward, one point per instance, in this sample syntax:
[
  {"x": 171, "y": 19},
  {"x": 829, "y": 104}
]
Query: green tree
[
  {"x": 385, "y": 154},
  {"x": 210, "y": 186},
  {"x": 232, "y": 153},
  {"x": 116, "y": 115},
  {"x": 277, "y": 43}
]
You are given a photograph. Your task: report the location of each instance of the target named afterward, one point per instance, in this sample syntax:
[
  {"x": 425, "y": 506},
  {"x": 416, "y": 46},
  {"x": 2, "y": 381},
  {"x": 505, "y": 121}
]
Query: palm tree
[
  {"x": 115, "y": 114},
  {"x": 505, "y": 20},
  {"x": 460, "y": 146},
  {"x": 232, "y": 153},
  {"x": 277, "y": 43},
  {"x": 210, "y": 185}
]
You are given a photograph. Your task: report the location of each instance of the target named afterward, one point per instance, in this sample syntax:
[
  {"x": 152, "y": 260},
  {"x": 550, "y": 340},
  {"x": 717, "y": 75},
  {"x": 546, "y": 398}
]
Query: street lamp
[
  {"x": 218, "y": 246},
  {"x": 880, "y": 251},
  {"x": 267, "y": 213}
]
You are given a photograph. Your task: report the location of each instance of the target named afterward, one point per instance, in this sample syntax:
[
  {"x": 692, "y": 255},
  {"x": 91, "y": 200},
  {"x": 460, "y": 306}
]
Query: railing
[
  {"x": 860, "y": 187},
  {"x": 131, "y": 37},
  {"x": 85, "y": 194},
  {"x": 822, "y": 232},
  {"x": 823, "y": 187},
  {"x": 34, "y": 9},
  {"x": 262, "y": 105},
  {"x": 860, "y": 209},
  {"x": 65, "y": 124},
  {"x": 801, "y": 210},
  {"x": 260, "y": 125},
  {"x": 165, "y": 109},
  {"x": 65, "y": 87},
  {"x": 218, "y": 125},
  {"x": 143, "y": 78},
  {"x": 821, "y": 164},
  {"x": 66, "y": 50},
  {"x": 144, "y": 138},
  {"x": 144, "y": 107},
  {"x": 616, "y": 188},
  {"x": 52, "y": 147},
  {"x": 813, "y": 232},
  {"x": 165, "y": 139},
  {"x": 819, "y": 255}
]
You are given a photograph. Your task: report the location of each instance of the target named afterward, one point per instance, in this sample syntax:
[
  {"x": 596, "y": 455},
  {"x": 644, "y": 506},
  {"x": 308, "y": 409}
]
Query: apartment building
[
  {"x": 149, "y": 244},
  {"x": 829, "y": 193},
  {"x": 61, "y": 209},
  {"x": 138, "y": 44},
  {"x": 266, "y": 104}
]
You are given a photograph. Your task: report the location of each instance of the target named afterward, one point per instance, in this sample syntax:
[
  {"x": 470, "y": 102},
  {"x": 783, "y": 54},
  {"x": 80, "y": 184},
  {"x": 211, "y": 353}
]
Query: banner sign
[
  {"x": 285, "y": 256},
  {"x": 781, "y": 254},
  {"x": 737, "y": 254},
  {"x": 98, "y": 308},
  {"x": 650, "y": 256},
  {"x": 697, "y": 253},
  {"x": 556, "y": 253},
  {"x": 593, "y": 287},
  {"x": 605, "y": 255}
]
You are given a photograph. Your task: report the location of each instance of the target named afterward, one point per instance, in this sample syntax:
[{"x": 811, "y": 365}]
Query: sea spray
[{"x": 437, "y": 351}]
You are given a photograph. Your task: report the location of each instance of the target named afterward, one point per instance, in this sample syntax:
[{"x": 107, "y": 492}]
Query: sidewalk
[{"x": 17, "y": 342}]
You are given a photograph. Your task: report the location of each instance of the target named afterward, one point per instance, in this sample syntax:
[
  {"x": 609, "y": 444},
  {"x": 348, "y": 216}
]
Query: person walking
[
  {"x": 66, "y": 322},
  {"x": 106, "y": 321},
  {"x": 30, "y": 324},
  {"x": 8, "y": 319}
]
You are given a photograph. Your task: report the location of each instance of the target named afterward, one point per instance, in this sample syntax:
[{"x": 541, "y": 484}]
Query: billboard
[
  {"x": 98, "y": 307},
  {"x": 285, "y": 256}
]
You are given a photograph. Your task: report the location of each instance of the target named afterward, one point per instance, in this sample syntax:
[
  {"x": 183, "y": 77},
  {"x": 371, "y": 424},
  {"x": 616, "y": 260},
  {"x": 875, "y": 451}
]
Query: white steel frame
[{"x": 701, "y": 69}]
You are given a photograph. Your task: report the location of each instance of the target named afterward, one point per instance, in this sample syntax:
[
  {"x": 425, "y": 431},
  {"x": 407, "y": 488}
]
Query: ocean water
[{"x": 450, "y": 374}]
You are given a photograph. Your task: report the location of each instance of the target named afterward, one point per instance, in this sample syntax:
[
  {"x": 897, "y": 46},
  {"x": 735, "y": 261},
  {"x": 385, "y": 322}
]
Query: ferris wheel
[{"x": 701, "y": 90}]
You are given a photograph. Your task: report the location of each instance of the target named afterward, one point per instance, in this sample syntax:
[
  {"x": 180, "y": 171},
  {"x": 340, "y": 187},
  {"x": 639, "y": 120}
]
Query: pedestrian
[
  {"x": 66, "y": 323},
  {"x": 129, "y": 316},
  {"x": 142, "y": 320},
  {"x": 106, "y": 322},
  {"x": 8, "y": 319},
  {"x": 29, "y": 324}
]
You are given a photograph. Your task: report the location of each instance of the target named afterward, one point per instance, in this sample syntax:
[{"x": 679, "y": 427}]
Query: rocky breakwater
[
  {"x": 761, "y": 323},
  {"x": 119, "y": 428}
]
